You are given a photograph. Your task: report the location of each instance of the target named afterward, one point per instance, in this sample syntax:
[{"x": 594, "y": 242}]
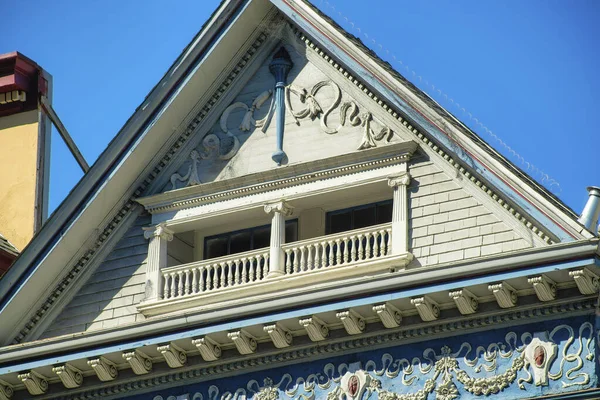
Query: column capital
[
  {"x": 400, "y": 179},
  {"x": 281, "y": 207},
  {"x": 158, "y": 231}
]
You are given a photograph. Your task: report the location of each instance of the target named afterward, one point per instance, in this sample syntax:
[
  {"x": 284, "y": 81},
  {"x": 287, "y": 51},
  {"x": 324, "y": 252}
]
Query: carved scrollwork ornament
[{"x": 6, "y": 390}]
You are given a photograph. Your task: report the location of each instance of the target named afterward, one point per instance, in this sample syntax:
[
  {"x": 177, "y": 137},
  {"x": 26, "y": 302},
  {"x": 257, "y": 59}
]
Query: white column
[
  {"x": 399, "y": 212},
  {"x": 159, "y": 236},
  {"x": 280, "y": 210}
]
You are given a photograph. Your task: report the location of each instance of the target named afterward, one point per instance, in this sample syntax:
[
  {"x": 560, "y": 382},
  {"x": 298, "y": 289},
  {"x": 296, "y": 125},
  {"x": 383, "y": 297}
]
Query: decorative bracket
[
  {"x": 140, "y": 363},
  {"x": 544, "y": 287},
  {"x": 466, "y": 301},
  {"x": 505, "y": 295},
  {"x": 70, "y": 376},
  {"x": 586, "y": 280},
  {"x": 208, "y": 348},
  {"x": 34, "y": 382},
  {"x": 353, "y": 321},
  {"x": 105, "y": 369},
  {"x": 390, "y": 316},
  {"x": 281, "y": 337},
  {"x": 173, "y": 354},
  {"x": 428, "y": 309},
  {"x": 6, "y": 390},
  {"x": 316, "y": 329},
  {"x": 245, "y": 343}
]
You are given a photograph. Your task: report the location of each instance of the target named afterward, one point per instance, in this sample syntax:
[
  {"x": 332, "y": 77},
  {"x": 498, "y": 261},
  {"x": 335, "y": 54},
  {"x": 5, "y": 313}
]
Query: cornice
[
  {"x": 271, "y": 180},
  {"x": 318, "y": 350}
]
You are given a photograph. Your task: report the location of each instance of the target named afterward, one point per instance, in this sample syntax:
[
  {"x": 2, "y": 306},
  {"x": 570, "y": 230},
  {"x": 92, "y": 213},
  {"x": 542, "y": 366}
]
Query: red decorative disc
[
  {"x": 539, "y": 355},
  {"x": 353, "y": 385}
]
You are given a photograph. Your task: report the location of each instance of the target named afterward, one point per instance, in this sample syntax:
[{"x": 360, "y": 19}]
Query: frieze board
[
  {"x": 520, "y": 364},
  {"x": 342, "y": 346}
]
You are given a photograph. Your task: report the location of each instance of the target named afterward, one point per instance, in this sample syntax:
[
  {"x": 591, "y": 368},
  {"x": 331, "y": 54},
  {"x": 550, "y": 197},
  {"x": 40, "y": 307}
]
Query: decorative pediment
[{"x": 311, "y": 117}]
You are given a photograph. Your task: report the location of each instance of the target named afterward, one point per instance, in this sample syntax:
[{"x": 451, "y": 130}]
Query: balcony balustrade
[{"x": 303, "y": 257}]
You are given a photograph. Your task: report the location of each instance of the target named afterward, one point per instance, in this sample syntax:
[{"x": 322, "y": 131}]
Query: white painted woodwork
[
  {"x": 173, "y": 354},
  {"x": 159, "y": 236},
  {"x": 428, "y": 309},
  {"x": 545, "y": 288},
  {"x": 466, "y": 302},
  {"x": 105, "y": 369},
  {"x": 34, "y": 382},
  {"x": 280, "y": 336},
  {"x": 208, "y": 348},
  {"x": 280, "y": 210},
  {"x": 399, "y": 183},
  {"x": 316, "y": 329},
  {"x": 244, "y": 342},
  {"x": 139, "y": 362},
  {"x": 505, "y": 295},
  {"x": 587, "y": 281},
  {"x": 390, "y": 316},
  {"x": 70, "y": 376}
]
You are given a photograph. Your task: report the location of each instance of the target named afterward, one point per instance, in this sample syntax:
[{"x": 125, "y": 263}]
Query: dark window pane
[
  {"x": 364, "y": 217},
  {"x": 340, "y": 222},
  {"x": 262, "y": 237},
  {"x": 240, "y": 241},
  {"x": 216, "y": 247},
  {"x": 384, "y": 213},
  {"x": 291, "y": 231}
]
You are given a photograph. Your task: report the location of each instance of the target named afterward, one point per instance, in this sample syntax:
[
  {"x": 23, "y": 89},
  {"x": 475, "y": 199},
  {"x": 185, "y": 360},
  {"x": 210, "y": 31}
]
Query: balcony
[{"x": 360, "y": 252}]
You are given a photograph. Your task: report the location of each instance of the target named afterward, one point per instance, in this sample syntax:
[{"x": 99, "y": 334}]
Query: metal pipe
[
  {"x": 591, "y": 211},
  {"x": 47, "y": 107},
  {"x": 279, "y": 67}
]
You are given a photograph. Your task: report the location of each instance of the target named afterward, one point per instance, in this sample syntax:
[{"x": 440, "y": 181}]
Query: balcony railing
[
  {"x": 302, "y": 257},
  {"x": 338, "y": 249}
]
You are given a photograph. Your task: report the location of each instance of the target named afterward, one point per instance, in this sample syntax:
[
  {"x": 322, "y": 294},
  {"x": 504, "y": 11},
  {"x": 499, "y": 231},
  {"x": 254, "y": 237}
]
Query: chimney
[
  {"x": 24, "y": 148},
  {"x": 589, "y": 215}
]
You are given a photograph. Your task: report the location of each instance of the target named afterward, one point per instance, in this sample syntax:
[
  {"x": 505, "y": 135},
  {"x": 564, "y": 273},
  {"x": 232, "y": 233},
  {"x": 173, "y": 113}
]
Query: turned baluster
[
  {"x": 244, "y": 271},
  {"x": 166, "y": 288},
  {"x": 195, "y": 280},
  {"x": 187, "y": 287},
  {"x": 288, "y": 262},
  {"x": 302, "y": 259},
  {"x": 296, "y": 263},
  {"x": 338, "y": 253},
  {"x": 173, "y": 287}
]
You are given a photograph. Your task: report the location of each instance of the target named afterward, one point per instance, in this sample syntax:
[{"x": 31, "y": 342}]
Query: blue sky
[{"x": 522, "y": 74}]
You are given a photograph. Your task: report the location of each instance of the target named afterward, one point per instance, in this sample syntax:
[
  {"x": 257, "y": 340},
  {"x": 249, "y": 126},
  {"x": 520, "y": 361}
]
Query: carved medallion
[
  {"x": 353, "y": 384},
  {"x": 539, "y": 356}
]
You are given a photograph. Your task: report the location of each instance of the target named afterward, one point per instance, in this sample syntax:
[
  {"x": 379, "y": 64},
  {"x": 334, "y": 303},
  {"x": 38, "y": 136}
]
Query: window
[
  {"x": 358, "y": 217},
  {"x": 245, "y": 240}
]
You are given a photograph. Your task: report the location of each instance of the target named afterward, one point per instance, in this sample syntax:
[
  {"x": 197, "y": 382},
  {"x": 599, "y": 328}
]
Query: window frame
[{"x": 352, "y": 209}]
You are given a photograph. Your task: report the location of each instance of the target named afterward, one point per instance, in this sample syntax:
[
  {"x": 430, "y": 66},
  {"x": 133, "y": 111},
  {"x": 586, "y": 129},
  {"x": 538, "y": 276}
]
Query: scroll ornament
[{"x": 531, "y": 360}]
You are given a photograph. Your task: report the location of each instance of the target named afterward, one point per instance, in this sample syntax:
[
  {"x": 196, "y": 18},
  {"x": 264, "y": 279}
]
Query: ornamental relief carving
[
  {"x": 303, "y": 104},
  {"x": 520, "y": 361}
]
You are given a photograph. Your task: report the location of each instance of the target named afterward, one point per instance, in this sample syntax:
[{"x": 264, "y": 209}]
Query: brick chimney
[{"x": 24, "y": 148}]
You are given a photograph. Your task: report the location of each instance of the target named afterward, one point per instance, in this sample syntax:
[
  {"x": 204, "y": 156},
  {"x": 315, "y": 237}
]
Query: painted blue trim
[
  {"x": 233, "y": 325},
  {"x": 114, "y": 167},
  {"x": 433, "y": 130}
]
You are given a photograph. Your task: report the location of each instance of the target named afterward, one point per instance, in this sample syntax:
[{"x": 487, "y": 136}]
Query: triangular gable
[{"x": 105, "y": 196}]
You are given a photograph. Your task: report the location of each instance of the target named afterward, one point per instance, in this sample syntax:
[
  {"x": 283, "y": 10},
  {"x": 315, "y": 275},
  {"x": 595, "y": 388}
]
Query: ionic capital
[
  {"x": 158, "y": 231},
  {"x": 281, "y": 207},
  {"x": 399, "y": 180}
]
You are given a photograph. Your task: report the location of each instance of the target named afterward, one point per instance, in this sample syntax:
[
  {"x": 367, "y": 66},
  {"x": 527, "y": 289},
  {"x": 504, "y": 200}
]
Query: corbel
[
  {"x": 427, "y": 308},
  {"x": 505, "y": 295},
  {"x": 353, "y": 321},
  {"x": 6, "y": 390},
  {"x": 281, "y": 337},
  {"x": 390, "y": 316},
  {"x": 70, "y": 376},
  {"x": 587, "y": 281},
  {"x": 245, "y": 343},
  {"x": 466, "y": 302},
  {"x": 544, "y": 287},
  {"x": 106, "y": 370},
  {"x": 34, "y": 382},
  {"x": 208, "y": 348},
  {"x": 173, "y": 354},
  {"x": 140, "y": 363},
  {"x": 317, "y": 330}
]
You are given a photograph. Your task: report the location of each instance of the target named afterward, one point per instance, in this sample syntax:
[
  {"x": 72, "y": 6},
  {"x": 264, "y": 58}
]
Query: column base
[{"x": 275, "y": 274}]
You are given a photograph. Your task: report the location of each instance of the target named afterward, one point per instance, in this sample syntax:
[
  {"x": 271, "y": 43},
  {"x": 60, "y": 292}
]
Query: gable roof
[
  {"x": 7, "y": 247},
  {"x": 103, "y": 197}
]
